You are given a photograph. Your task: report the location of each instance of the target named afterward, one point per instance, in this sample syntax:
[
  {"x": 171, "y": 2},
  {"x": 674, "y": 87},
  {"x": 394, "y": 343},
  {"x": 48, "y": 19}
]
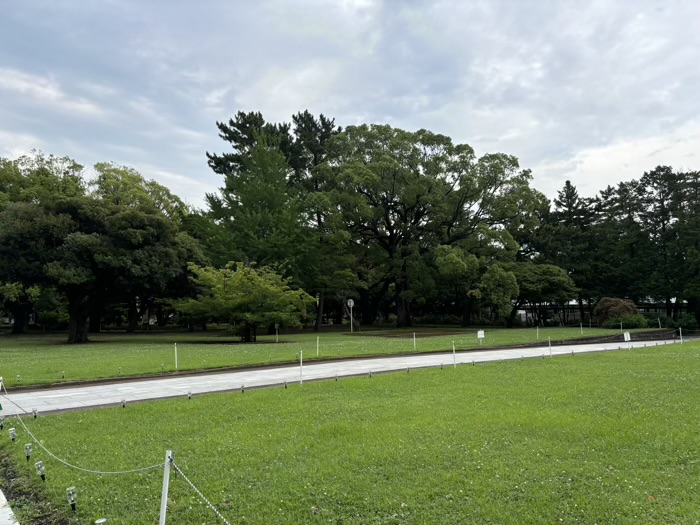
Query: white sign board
[
  {"x": 480, "y": 334},
  {"x": 628, "y": 337},
  {"x": 351, "y": 303}
]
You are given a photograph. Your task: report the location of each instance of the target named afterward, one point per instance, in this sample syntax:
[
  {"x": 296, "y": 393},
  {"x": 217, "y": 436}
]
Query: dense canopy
[{"x": 410, "y": 225}]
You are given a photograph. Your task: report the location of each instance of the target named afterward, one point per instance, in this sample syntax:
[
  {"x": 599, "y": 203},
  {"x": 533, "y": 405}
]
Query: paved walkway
[
  {"x": 6, "y": 515},
  {"x": 91, "y": 396}
]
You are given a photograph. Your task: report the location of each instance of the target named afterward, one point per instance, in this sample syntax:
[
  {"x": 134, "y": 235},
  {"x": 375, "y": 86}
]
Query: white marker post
[
  {"x": 550, "y": 346},
  {"x": 581, "y": 323},
  {"x": 681, "y": 332},
  {"x": 414, "y": 341},
  {"x": 318, "y": 343},
  {"x": 166, "y": 481},
  {"x": 538, "y": 332},
  {"x": 454, "y": 354},
  {"x": 351, "y": 303},
  {"x": 175, "y": 356},
  {"x": 659, "y": 319},
  {"x": 301, "y": 367},
  {"x": 628, "y": 339},
  {"x": 480, "y": 335}
]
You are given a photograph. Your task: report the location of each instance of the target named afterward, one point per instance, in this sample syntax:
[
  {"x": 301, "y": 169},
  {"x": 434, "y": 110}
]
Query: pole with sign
[
  {"x": 351, "y": 303},
  {"x": 480, "y": 336}
]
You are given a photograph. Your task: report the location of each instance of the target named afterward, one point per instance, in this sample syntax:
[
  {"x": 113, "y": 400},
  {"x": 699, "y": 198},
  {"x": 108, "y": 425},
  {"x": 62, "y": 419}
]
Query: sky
[{"x": 595, "y": 92}]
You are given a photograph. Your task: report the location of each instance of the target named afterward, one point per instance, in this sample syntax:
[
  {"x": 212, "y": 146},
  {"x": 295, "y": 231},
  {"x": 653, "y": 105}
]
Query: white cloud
[
  {"x": 14, "y": 145},
  {"x": 593, "y": 169},
  {"x": 46, "y": 91}
]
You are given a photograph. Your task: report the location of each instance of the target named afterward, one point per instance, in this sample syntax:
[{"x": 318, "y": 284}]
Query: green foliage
[
  {"x": 687, "y": 322},
  {"x": 627, "y": 321},
  {"x": 247, "y": 297},
  {"x": 614, "y": 308},
  {"x": 499, "y": 287}
]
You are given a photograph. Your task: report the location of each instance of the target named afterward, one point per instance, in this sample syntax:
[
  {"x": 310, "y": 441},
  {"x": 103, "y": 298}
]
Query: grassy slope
[
  {"x": 599, "y": 438},
  {"x": 43, "y": 359}
]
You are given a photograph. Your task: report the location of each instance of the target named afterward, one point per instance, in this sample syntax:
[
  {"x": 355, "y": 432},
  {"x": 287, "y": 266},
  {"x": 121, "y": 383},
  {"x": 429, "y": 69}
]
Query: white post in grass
[
  {"x": 538, "y": 332},
  {"x": 581, "y": 323},
  {"x": 454, "y": 354},
  {"x": 175, "y": 356},
  {"x": 301, "y": 367},
  {"x": 166, "y": 482},
  {"x": 681, "y": 331},
  {"x": 414, "y": 341},
  {"x": 550, "y": 346},
  {"x": 351, "y": 303},
  {"x": 659, "y": 319},
  {"x": 318, "y": 343}
]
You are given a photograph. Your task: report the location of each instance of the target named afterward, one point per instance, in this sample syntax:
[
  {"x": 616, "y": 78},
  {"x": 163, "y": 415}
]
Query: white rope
[
  {"x": 54, "y": 456},
  {"x": 202, "y": 496}
]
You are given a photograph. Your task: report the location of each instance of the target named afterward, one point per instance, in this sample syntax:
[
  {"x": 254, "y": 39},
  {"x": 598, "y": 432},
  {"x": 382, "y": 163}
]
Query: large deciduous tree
[{"x": 406, "y": 193}]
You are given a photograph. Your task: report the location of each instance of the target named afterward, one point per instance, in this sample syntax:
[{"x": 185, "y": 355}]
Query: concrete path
[
  {"x": 83, "y": 397},
  {"x": 6, "y": 515}
]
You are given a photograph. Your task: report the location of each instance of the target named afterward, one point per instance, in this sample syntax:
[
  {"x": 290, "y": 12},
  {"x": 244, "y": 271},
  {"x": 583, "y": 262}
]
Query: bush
[
  {"x": 687, "y": 322},
  {"x": 609, "y": 308},
  {"x": 628, "y": 321}
]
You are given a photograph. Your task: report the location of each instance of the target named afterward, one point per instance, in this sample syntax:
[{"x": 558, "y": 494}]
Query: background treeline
[{"x": 408, "y": 224}]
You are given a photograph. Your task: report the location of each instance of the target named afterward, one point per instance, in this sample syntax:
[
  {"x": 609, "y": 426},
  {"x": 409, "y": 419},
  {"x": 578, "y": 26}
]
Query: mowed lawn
[
  {"x": 47, "y": 359},
  {"x": 607, "y": 438}
]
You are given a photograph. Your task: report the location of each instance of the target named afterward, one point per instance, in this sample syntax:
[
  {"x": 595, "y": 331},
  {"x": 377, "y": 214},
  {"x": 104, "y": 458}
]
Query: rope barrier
[
  {"x": 199, "y": 493},
  {"x": 62, "y": 461}
]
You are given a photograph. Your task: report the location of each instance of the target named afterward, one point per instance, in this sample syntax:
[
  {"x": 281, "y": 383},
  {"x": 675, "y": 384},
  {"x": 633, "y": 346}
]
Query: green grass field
[
  {"x": 598, "y": 438},
  {"x": 47, "y": 359}
]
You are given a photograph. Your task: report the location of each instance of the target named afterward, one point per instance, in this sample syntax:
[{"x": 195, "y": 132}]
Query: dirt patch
[{"x": 28, "y": 504}]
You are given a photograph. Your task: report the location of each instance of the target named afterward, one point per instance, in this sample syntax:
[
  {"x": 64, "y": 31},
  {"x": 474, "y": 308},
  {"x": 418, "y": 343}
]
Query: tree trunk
[
  {"x": 511, "y": 316},
  {"x": 161, "y": 316},
  {"x": 96, "y": 319},
  {"x": 403, "y": 306},
  {"x": 78, "y": 309},
  {"x": 581, "y": 309},
  {"x": 20, "y": 313},
  {"x": 467, "y": 305},
  {"x": 248, "y": 333},
  {"x": 133, "y": 318},
  {"x": 319, "y": 312}
]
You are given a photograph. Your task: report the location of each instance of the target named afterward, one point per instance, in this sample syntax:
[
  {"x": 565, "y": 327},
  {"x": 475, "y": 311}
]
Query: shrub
[
  {"x": 614, "y": 307},
  {"x": 628, "y": 321},
  {"x": 687, "y": 322}
]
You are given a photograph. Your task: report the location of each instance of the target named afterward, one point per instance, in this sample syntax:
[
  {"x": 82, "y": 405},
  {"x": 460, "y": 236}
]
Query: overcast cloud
[{"x": 595, "y": 92}]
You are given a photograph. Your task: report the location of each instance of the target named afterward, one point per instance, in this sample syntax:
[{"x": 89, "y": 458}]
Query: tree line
[{"x": 408, "y": 224}]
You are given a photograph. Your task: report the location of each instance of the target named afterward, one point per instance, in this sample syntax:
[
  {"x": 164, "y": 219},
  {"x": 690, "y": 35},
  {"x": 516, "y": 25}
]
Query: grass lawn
[
  {"x": 47, "y": 359},
  {"x": 598, "y": 438}
]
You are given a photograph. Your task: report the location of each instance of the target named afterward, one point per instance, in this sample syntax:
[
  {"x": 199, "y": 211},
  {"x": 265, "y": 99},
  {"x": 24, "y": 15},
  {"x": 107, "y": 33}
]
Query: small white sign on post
[
  {"x": 480, "y": 335},
  {"x": 628, "y": 337},
  {"x": 351, "y": 303}
]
